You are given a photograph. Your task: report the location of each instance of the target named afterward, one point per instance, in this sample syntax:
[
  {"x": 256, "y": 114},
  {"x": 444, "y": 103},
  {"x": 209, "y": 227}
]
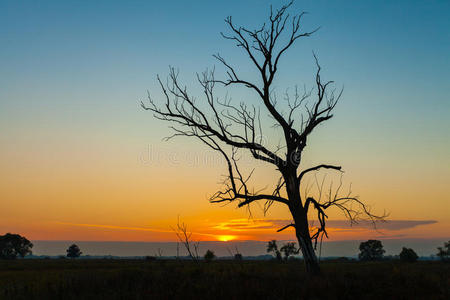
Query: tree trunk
[
  {"x": 309, "y": 255},
  {"x": 301, "y": 223}
]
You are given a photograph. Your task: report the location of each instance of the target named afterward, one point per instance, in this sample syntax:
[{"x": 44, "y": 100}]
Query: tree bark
[
  {"x": 301, "y": 223},
  {"x": 309, "y": 255}
]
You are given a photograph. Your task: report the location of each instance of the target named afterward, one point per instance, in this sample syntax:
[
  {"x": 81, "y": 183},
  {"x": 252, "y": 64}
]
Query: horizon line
[{"x": 217, "y": 241}]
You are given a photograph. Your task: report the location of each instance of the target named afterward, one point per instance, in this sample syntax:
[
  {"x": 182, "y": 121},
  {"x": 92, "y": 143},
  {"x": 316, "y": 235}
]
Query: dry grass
[{"x": 134, "y": 279}]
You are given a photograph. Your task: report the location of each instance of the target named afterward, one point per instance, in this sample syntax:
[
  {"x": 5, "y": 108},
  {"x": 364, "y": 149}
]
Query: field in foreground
[{"x": 135, "y": 279}]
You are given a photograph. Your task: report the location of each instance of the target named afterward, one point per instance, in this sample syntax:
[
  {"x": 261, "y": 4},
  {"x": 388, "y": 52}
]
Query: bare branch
[
  {"x": 324, "y": 166},
  {"x": 286, "y": 227},
  {"x": 353, "y": 208},
  {"x": 184, "y": 236},
  {"x": 180, "y": 108}
]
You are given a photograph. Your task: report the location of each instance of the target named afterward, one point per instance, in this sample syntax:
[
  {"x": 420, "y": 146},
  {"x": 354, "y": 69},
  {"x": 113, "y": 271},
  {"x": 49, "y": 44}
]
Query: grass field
[{"x": 139, "y": 279}]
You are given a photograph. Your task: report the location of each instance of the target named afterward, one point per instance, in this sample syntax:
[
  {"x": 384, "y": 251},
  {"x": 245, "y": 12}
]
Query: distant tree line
[
  {"x": 15, "y": 245},
  {"x": 371, "y": 250}
]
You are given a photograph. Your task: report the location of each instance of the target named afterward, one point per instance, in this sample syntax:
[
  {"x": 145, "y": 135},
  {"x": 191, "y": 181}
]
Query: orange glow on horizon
[
  {"x": 226, "y": 238},
  {"x": 221, "y": 230}
]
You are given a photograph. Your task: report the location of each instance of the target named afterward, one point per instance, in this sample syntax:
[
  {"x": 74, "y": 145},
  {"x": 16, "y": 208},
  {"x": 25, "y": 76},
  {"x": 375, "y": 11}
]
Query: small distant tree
[
  {"x": 371, "y": 250},
  {"x": 273, "y": 247},
  {"x": 408, "y": 255},
  {"x": 238, "y": 256},
  {"x": 209, "y": 255},
  {"x": 289, "y": 249},
  {"x": 13, "y": 245},
  {"x": 73, "y": 251},
  {"x": 444, "y": 252}
]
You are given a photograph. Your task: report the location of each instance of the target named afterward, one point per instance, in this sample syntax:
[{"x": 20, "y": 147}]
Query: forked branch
[
  {"x": 352, "y": 207},
  {"x": 185, "y": 237}
]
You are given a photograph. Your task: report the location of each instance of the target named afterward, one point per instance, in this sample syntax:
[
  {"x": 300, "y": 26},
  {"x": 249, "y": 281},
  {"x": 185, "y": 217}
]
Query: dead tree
[
  {"x": 185, "y": 237},
  {"x": 229, "y": 128}
]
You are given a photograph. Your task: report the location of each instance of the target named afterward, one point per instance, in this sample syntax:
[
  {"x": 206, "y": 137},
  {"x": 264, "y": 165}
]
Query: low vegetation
[
  {"x": 372, "y": 277},
  {"x": 161, "y": 279}
]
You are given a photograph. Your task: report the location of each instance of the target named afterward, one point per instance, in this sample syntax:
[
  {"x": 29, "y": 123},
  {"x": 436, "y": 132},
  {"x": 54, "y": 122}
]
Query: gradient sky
[{"x": 80, "y": 160}]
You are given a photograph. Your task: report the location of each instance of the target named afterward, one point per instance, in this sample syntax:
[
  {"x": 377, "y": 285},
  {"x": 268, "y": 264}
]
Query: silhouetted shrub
[
  {"x": 209, "y": 255},
  {"x": 73, "y": 251},
  {"x": 238, "y": 256},
  {"x": 408, "y": 255},
  {"x": 444, "y": 252},
  {"x": 150, "y": 258},
  {"x": 371, "y": 250}
]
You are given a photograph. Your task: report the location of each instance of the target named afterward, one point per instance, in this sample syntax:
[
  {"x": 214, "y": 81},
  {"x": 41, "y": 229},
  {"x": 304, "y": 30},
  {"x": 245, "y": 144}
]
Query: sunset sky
[{"x": 80, "y": 160}]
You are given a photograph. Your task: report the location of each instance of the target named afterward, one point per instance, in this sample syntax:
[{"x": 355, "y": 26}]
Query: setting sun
[{"x": 226, "y": 238}]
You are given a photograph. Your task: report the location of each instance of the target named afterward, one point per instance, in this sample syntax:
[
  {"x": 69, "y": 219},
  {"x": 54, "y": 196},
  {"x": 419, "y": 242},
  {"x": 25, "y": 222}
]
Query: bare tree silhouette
[
  {"x": 230, "y": 128},
  {"x": 185, "y": 237}
]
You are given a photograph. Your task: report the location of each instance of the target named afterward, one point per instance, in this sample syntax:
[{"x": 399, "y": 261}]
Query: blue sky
[
  {"x": 394, "y": 46},
  {"x": 99, "y": 54}
]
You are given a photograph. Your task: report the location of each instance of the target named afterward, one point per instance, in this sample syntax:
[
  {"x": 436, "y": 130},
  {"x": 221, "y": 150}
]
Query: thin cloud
[
  {"x": 128, "y": 228},
  {"x": 388, "y": 225},
  {"x": 338, "y": 225},
  {"x": 246, "y": 225},
  {"x": 240, "y": 226}
]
